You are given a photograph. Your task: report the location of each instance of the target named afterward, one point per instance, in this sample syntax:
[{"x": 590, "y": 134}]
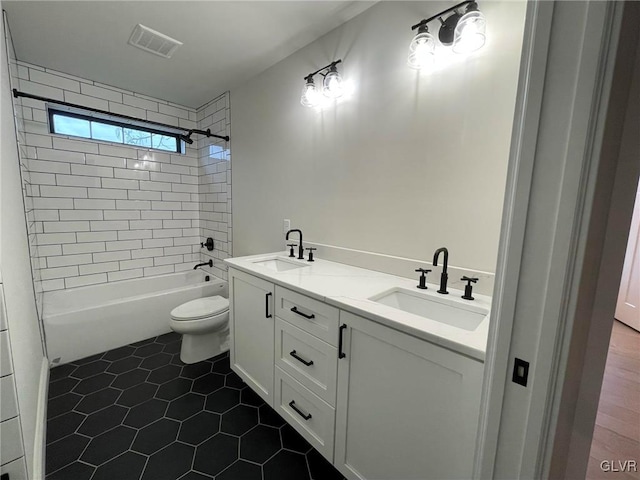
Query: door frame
[{"x": 554, "y": 255}]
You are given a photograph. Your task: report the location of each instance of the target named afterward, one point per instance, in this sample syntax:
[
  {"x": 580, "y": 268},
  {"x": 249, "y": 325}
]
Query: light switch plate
[{"x": 286, "y": 225}]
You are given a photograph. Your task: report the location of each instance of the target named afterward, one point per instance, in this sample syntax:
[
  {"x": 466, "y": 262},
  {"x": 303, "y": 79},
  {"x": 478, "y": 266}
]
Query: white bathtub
[{"x": 84, "y": 321}]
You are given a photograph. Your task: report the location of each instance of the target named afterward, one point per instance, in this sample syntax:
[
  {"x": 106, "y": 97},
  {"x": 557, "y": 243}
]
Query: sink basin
[
  {"x": 279, "y": 264},
  {"x": 443, "y": 310}
]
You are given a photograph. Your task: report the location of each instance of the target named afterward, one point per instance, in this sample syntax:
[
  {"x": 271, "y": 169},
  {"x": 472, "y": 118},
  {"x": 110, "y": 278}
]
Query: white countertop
[{"x": 349, "y": 288}]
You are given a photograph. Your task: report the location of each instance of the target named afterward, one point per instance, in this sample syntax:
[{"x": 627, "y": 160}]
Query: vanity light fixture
[
  {"x": 470, "y": 32},
  {"x": 422, "y": 48},
  {"x": 331, "y": 85},
  {"x": 310, "y": 94},
  {"x": 464, "y": 32}
]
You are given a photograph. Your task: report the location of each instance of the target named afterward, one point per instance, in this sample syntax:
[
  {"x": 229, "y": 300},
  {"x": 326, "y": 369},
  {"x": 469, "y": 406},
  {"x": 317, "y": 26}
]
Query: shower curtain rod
[{"x": 186, "y": 138}]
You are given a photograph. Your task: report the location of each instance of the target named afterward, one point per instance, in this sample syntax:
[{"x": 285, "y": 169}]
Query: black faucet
[
  {"x": 468, "y": 289},
  {"x": 300, "y": 247},
  {"x": 444, "y": 276},
  {"x": 423, "y": 278},
  {"x": 209, "y": 263}
]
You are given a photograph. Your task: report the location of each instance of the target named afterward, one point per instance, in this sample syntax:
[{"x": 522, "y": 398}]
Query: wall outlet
[{"x": 286, "y": 225}]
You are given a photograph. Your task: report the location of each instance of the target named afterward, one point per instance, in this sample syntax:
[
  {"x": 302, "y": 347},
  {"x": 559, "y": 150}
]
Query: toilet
[{"x": 204, "y": 325}]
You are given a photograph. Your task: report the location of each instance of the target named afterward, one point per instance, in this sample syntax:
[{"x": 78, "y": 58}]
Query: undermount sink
[
  {"x": 443, "y": 310},
  {"x": 278, "y": 264}
]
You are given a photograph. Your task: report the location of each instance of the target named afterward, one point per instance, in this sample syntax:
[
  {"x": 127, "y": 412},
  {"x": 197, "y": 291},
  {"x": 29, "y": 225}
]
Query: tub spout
[{"x": 209, "y": 263}]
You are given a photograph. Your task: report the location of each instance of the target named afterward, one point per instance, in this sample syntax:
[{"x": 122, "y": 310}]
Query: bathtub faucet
[{"x": 210, "y": 263}]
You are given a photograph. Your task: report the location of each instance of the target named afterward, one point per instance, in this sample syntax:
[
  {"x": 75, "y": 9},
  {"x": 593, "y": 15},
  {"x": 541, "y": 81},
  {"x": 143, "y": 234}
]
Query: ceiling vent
[{"x": 153, "y": 42}]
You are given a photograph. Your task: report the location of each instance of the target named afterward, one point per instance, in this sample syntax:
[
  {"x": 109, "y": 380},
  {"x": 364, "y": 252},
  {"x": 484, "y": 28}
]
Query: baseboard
[
  {"x": 41, "y": 423},
  {"x": 402, "y": 266}
]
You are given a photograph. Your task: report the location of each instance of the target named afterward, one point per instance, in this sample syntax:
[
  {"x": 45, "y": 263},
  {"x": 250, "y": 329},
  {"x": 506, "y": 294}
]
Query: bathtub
[{"x": 83, "y": 321}]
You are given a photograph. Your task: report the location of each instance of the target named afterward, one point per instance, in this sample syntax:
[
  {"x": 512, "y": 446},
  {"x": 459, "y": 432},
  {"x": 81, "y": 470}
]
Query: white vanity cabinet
[
  {"x": 405, "y": 408},
  {"x": 252, "y": 323},
  {"x": 376, "y": 402}
]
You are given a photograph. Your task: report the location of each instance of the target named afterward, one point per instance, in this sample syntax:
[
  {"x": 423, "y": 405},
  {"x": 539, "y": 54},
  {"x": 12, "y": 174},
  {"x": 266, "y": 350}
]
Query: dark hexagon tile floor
[{"x": 138, "y": 413}]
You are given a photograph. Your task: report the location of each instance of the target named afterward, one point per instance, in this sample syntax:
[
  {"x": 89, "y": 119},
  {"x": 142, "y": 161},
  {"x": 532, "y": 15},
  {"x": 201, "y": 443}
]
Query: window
[{"x": 109, "y": 130}]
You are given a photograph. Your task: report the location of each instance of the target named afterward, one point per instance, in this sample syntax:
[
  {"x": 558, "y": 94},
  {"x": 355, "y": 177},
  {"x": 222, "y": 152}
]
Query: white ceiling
[{"x": 225, "y": 42}]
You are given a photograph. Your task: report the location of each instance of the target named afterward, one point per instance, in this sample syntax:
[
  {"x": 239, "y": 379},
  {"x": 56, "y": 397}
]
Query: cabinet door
[
  {"x": 628, "y": 306},
  {"x": 252, "y": 331},
  {"x": 406, "y": 409}
]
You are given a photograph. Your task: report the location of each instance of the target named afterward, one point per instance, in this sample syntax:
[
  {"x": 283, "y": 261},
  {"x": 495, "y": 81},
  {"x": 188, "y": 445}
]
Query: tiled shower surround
[
  {"x": 214, "y": 175},
  {"x": 103, "y": 212}
]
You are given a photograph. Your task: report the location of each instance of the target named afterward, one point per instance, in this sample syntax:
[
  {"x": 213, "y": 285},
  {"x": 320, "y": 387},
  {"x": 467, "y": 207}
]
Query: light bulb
[
  {"x": 332, "y": 85},
  {"x": 310, "y": 95},
  {"x": 469, "y": 34},
  {"x": 422, "y": 50}
]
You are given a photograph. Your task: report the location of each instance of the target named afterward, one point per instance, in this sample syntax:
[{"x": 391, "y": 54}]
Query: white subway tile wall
[
  {"x": 98, "y": 212},
  {"x": 214, "y": 178}
]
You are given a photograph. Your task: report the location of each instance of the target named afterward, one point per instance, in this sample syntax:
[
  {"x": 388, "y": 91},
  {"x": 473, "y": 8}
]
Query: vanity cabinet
[
  {"x": 405, "y": 408},
  {"x": 376, "y": 402},
  {"x": 252, "y": 323}
]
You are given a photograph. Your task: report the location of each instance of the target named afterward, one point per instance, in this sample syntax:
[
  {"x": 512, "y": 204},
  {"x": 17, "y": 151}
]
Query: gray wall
[{"x": 408, "y": 163}]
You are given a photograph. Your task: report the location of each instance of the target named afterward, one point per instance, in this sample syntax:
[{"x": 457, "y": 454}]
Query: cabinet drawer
[
  {"x": 296, "y": 349},
  {"x": 306, "y": 412},
  {"x": 310, "y": 315}
]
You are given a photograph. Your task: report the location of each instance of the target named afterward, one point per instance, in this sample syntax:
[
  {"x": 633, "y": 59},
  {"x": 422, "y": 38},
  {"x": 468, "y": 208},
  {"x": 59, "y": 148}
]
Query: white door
[
  {"x": 252, "y": 332},
  {"x": 628, "y": 306},
  {"x": 406, "y": 409}
]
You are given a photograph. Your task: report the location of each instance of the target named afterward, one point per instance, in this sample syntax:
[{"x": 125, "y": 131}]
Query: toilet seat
[
  {"x": 200, "y": 308},
  {"x": 214, "y": 323}
]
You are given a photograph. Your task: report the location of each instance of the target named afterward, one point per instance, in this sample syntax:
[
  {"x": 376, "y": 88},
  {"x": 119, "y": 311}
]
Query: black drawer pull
[
  {"x": 266, "y": 305},
  {"x": 295, "y": 310},
  {"x": 306, "y": 416},
  {"x": 308, "y": 363},
  {"x": 341, "y": 354}
]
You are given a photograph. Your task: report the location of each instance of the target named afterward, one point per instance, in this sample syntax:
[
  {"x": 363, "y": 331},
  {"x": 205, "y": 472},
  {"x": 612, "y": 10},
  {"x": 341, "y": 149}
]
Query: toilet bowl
[{"x": 204, "y": 325}]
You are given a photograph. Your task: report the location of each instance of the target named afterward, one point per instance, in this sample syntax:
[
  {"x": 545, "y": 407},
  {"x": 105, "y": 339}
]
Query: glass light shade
[
  {"x": 470, "y": 33},
  {"x": 332, "y": 85},
  {"x": 422, "y": 51},
  {"x": 310, "y": 95}
]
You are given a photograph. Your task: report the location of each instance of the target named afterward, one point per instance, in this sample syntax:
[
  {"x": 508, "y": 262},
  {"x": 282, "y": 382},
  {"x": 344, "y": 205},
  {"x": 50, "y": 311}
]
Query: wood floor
[{"x": 617, "y": 432}]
